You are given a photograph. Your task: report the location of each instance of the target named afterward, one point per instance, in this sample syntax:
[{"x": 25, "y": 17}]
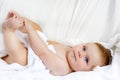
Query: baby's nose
[{"x": 81, "y": 54}]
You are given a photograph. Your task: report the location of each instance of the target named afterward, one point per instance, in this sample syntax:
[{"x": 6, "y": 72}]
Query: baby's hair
[{"x": 106, "y": 53}]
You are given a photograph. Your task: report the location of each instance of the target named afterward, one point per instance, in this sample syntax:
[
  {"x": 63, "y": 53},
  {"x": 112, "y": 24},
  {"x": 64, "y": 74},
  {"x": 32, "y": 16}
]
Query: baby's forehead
[
  {"x": 92, "y": 49},
  {"x": 94, "y": 54},
  {"x": 91, "y": 45}
]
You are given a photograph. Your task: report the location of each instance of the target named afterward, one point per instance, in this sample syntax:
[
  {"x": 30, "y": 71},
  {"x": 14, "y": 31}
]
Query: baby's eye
[
  {"x": 86, "y": 59},
  {"x": 84, "y": 48}
]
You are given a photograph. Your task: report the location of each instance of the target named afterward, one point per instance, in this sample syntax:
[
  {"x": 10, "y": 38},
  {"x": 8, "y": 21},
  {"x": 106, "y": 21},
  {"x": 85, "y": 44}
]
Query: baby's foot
[
  {"x": 11, "y": 14},
  {"x": 17, "y": 19},
  {"x": 13, "y": 22}
]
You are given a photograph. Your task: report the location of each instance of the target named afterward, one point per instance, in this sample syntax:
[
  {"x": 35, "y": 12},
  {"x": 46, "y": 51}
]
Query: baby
[{"x": 82, "y": 57}]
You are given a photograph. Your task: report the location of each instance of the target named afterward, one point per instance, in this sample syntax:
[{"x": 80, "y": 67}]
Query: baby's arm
[{"x": 52, "y": 61}]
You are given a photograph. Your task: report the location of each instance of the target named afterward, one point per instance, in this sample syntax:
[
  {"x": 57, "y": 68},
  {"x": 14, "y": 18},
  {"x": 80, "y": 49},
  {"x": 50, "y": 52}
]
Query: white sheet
[{"x": 71, "y": 21}]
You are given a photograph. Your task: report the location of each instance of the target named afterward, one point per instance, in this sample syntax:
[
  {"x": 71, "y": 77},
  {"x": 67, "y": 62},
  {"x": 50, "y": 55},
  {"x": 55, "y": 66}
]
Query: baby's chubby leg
[{"x": 16, "y": 51}]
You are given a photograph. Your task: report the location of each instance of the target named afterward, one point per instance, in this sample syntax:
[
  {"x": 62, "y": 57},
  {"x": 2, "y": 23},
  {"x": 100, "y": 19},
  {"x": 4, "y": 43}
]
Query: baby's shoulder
[{"x": 53, "y": 42}]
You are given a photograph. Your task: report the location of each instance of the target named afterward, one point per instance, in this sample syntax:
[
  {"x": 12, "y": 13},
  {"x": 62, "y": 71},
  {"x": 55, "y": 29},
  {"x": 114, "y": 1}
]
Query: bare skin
[{"x": 66, "y": 60}]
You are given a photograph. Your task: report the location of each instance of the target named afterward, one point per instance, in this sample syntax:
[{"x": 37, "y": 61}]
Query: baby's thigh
[{"x": 21, "y": 59}]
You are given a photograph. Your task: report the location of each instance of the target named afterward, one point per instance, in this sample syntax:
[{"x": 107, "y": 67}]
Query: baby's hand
[{"x": 27, "y": 25}]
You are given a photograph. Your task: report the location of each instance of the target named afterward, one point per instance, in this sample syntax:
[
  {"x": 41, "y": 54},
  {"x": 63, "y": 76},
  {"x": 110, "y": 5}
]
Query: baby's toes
[
  {"x": 15, "y": 13},
  {"x": 10, "y": 15},
  {"x": 14, "y": 22},
  {"x": 17, "y": 18}
]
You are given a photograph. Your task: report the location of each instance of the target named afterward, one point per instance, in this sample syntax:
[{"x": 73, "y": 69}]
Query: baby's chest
[{"x": 61, "y": 51}]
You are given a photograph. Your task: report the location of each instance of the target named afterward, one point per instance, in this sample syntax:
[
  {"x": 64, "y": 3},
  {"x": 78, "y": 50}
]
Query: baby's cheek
[
  {"x": 72, "y": 60},
  {"x": 82, "y": 63}
]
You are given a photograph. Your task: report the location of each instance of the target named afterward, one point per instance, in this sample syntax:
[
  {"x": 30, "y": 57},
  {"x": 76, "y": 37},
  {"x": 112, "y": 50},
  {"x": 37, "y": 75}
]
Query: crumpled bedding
[{"x": 71, "y": 22}]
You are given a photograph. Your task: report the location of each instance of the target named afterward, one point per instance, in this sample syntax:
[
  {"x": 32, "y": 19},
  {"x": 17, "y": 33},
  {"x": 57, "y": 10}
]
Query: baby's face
[{"x": 84, "y": 57}]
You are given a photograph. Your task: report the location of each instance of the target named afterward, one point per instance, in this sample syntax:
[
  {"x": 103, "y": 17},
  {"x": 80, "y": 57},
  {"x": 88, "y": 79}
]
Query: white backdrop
[{"x": 70, "y": 20}]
